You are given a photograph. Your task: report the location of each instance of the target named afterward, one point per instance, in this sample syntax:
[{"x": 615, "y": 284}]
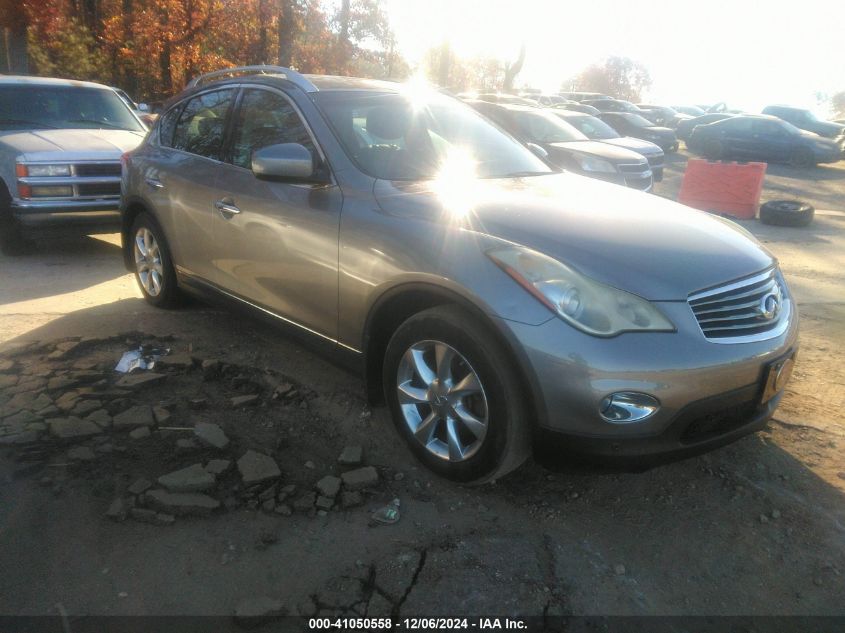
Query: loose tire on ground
[
  {"x": 506, "y": 440},
  {"x": 154, "y": 269},
  {"x": 786, "y": 213}
]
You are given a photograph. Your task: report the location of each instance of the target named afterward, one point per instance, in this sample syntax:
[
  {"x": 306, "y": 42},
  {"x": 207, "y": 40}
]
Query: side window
[
  {"x": 167, "y": 125},
  {"x": 200, "y": 127},
  {"x": 266, "y": 118}
]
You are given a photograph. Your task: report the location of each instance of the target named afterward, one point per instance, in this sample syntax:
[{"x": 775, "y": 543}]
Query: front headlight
[
  {"x": 593, "y": 163},
  {"x": 588, "y": 305},
  {"x": 38, "y": 171}
]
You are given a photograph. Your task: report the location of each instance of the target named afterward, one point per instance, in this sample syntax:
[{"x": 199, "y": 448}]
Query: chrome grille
[
  {"x": 636, "y": 168},
  {"x": 755, "y": 308}
]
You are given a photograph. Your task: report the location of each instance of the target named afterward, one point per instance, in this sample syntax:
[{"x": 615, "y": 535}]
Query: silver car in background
[{"x": 487, "y": 298}]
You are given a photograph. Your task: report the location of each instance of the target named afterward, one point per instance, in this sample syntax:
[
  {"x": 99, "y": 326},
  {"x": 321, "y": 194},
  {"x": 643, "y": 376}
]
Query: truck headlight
[
  {"x": 39, "y": 171},
  {"x": 588, "y": 305},
  {"x": 593, "y": 163}
]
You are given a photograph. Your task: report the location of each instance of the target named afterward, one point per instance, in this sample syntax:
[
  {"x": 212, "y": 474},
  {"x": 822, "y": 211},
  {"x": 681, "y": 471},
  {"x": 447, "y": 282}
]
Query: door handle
[
  {"x": 155, "y": 183},
  {"x": 226, "y": 208}
]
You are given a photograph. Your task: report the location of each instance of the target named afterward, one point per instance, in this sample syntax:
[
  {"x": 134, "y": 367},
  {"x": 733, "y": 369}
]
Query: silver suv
[
  {"x": 486, "y": 297},
  {"x": 60, "y": 148}
]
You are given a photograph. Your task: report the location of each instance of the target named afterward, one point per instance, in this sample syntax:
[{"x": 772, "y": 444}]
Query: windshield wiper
[
  {"x": 27, "y": 122},
  {"x": 99, "y": 123}
]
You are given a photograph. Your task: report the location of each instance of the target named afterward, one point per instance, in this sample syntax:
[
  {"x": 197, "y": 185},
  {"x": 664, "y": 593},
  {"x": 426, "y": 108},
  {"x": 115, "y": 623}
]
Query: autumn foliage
[{"x": 151, "y": 48}]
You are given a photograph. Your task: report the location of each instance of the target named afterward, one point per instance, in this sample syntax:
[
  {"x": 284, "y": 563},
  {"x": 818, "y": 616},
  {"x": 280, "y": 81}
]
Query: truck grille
[
  {"x": 755, "y": 308},
  {"x": 97, "y": 169}
]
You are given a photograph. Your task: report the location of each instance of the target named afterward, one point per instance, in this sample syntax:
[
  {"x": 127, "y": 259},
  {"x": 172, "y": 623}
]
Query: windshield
[
  {"x": 544, "y": 127},
  {"x": 591, "y": 127},
  {"x": 39, "y": 107},
  {"x": 635, "y": 119},
  {"x": 411, "y": 137}
]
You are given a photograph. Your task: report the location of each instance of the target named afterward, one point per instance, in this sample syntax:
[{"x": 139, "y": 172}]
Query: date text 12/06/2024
[{"x": 416, "y": 624}]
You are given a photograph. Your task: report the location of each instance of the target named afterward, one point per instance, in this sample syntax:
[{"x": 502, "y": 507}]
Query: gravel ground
[{"x": 757, "y": 527}]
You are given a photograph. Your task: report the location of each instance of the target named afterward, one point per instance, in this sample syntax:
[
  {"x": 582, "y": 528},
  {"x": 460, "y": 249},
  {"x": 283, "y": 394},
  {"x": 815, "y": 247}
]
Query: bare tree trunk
[
  {"x": 262, "y": 33},
  {"x": 286, "y": 32},
  {"x": 512, "y": 70}
]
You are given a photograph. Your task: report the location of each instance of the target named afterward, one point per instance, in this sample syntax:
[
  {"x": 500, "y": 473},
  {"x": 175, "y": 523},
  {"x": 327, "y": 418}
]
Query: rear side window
[
  {"x": 266, "y": 118},
  {"x": 167, "y": 126},
  {"x": 199, "y": 129}
]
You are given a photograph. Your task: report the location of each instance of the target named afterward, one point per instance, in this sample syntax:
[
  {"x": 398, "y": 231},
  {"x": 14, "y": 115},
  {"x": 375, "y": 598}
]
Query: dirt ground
[{"x": 755, "y": 528}]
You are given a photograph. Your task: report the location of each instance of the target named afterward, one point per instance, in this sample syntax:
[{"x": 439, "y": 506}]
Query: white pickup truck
[{"x": 60, "y": 148}]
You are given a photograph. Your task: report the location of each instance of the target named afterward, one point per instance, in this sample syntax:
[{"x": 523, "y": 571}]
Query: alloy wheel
[
  {"x": 148, "y": 262},
  {"x": 442, "y": 400}
]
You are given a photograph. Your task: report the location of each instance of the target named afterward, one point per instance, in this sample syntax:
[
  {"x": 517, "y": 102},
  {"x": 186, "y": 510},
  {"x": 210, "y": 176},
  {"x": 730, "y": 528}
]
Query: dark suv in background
[
  {"x": 630, "y": 124},
  {"x": 806, "y": 120}
]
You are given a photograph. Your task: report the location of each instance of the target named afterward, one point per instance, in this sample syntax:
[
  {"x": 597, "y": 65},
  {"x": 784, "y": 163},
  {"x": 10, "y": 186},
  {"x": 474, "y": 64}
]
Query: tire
[
  {"x": 786, "y": 213},
  {"x": 802, "y": 157},
  {"x": 12, "y": 240},
  {"x": 713, "y": 150},
  {"x": 154, "y": 270},
  {"x": 448, "y": 332}
]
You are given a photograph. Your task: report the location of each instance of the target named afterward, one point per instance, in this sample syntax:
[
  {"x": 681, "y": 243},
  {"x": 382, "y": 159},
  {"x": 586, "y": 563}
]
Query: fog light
[
  {"x": 626, "y": 407},
  {"x": 51, "y": 191}
]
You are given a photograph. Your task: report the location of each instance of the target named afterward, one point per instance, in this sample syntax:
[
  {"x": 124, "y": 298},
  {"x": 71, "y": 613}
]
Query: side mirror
[
  {"x": 290, "y": 162},
  {"x": 538, "y": 151},
  {"x": 143, "y": 107}
]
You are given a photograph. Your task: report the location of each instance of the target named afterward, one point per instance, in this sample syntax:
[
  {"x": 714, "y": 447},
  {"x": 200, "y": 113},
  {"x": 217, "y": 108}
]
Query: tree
[
  {"x": 512, "y": 70},
  {"x": 619, "y": 77}
]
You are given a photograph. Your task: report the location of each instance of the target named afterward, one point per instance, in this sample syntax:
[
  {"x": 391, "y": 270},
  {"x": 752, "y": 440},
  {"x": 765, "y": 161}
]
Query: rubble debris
[
  {"x": 256, "y": 468},
  {"x": 140, "y": 433},
  {"x": 81, "y": 454},
  {"x": 161, "y": 415},
  {"x": 139, "y": 360},
  {"x": 329, "y": 486},
  {"x": 211, "y": 435},
  {"x": 350, "y": 499},
  {"x": 119, "y": 508},
  {"x": 194, "y": 478},
  {"x": 139, "y": 486},
  {"x": 141, "y": 415},
  {"x": 244, "y": 401},
  {"x": 137, "y": 381},
  {"x": 218, "y": 466},
  {"x": 181, "y": 503},
  {"x": 387, "y": 515},
  {"x": 101, "y": 418},
  {"x": 305, "y": 502},
  {"x": 72, "y": 428},
  {"x": 360, "y": 478},
  {"x": 210, "y": 369},
  {"x": 351, "y": 456},
  {"x": 324, "y": 503},
  {"x": 143, "y": 515}
]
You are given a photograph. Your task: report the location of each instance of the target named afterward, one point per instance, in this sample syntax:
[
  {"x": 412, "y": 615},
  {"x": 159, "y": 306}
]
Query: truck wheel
[
  {"x": 153, "y": 265},
  {"x": 12, "y": 240},
  {"x": 786, "y": 213},
  {"x": 455, "y": 396}
]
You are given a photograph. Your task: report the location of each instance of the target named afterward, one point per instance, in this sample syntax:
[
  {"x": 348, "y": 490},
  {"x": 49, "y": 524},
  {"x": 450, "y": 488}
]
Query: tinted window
[
  {"x": 591, "y": 127},
  {"x": 266, "y": 118},
  {"x": 200, "y": 127},
  {"x": 167, "y": 125},
  {"x": 542, "y": 127},
  {"x": 736, "y": 125},
  {"x": 39, "y": 107}
]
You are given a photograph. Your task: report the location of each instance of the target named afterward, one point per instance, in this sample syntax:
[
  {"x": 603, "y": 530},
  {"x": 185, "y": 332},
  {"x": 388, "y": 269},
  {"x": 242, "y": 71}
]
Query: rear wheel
[
  {"x": 154, "y": 270},
  {"x": 455, "y": 396}
]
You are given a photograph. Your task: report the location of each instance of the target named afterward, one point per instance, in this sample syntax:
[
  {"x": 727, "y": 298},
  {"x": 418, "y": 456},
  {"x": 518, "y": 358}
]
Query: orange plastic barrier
[{"x": 723, "y": 187}]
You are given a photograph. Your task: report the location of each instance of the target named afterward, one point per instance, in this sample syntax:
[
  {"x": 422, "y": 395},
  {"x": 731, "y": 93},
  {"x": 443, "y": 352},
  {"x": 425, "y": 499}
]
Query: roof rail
[{"x": 291, "y": 75}]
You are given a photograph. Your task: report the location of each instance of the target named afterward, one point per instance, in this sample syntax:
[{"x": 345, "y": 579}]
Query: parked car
[
  {"x": 488, "y": 298},
  {"x": 762, "y": 137},
  {"x": 141, "y": 110},
  {"x": 583, "y": 96},
  {"x": 60, "y": 148},
  {"x": 568, "y": 148},
  {"x": 662, "y": 115},
  {"x": 613, "y": 105},
  {"x": 550, "y": 100},
  {"x": 692, "y": 110},
  {"x": 578, "y": 107},
  {"x": 597, "y": 130},
  {"x": 630, "y": 124},
  {"x": 500, "y": 97},
  {"x": 685, "y": 128},
  {"x": 806, "y": 120}
]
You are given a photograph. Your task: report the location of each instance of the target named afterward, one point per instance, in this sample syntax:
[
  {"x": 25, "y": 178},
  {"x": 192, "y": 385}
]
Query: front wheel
[
  {"x": 455, "y": 396},
  {"x": 154, "y": 270}
]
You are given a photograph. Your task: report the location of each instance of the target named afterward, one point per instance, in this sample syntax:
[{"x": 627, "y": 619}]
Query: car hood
[
  {"x": 662, "y": 132},
  {"x": 826, "y": 128},
  {"x": 71, "y": 144},
  {"x": 631, "y": 240},
  {"x": 594, "y": 148},
  {"x": 647, "y": 148}
]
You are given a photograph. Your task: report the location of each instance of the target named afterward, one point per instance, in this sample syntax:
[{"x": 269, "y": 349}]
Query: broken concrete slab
[
  {"x": 119, "y": 508},
  {"x": 101, "y": 418},
  {"x": 141, "y": 415},
  {"x": 81, "y": 454},
  {"x": 256, "y": 467},
  {"x": 72, "y": 428},
  {"x": 351, "y": 499},
  {"x": 84, "y": 407},
  {"x": 161, "y": 415},
  {"x": 218, "y": 466},
  {"x": 139, "y": 380},
  {"x": 244, "y": 401},
  {"x": 323, "y": 503},
  {"x": 351, "y": 456},
  {"x": 329, "y": 486},
  {"x": 182, "y": 503},
  {"x": 143, "y": 515},
  {"x": 359, "y": 478},
  {"x": 140, "y": 433},
  {"x": 139, "y": 486},
  {"x": 305, "y": 502},
  {"x": 194, "y": 478},
  {"x": 211, "y": 435},
  {"x": 20, "y": 418}
]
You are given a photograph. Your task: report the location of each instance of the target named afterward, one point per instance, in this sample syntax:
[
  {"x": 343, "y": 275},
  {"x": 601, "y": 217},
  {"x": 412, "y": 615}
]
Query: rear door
[
  {"x": 771, "y": 140},
  {"x": 276, "y": 243},
  {"x": 737, "y": 139},
  {"x": 180, "y": 180}
]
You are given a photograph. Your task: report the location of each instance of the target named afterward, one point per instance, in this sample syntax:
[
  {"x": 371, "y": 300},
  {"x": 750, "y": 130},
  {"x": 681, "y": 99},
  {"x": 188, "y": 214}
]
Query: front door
[{"x": 276, "y": 243}]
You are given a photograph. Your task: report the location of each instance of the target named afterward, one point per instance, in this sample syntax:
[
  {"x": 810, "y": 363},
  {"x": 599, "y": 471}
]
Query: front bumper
[
  {"x": 83, "y": 216},
  {"x": 571, "y": 373}
]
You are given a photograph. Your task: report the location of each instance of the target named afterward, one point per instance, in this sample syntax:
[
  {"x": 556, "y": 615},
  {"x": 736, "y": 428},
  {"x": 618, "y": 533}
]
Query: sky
[{"x": 747, "y": 54}]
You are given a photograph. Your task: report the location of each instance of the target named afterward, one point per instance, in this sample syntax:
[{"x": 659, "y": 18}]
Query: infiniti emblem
[{"x": 769, "y": 306}]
